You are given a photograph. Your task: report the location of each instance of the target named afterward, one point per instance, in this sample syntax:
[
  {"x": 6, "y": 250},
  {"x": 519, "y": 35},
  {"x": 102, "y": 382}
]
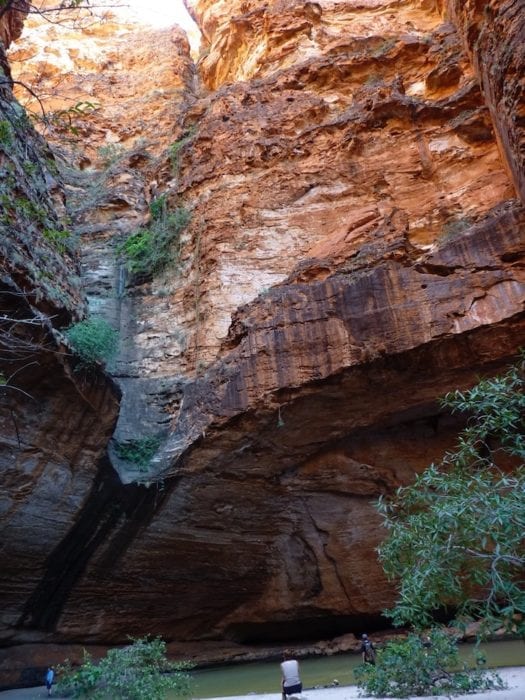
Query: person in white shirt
[{"x": 291, "y": 681}]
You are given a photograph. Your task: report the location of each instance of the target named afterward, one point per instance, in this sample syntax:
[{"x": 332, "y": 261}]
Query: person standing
[
  {"x": 50, "y": 677},
  {"x": 368, "y": 651},
  {"x": 291, "y": 681}
]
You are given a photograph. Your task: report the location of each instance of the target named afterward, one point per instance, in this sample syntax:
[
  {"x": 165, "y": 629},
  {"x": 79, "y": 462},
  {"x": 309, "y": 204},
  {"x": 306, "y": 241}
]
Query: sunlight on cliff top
[{"x": 158, "y": 13}]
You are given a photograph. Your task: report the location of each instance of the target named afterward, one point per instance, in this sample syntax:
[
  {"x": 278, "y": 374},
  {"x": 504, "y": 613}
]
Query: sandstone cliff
[
  {"x": 54, "y": 424},
  {"x": 353, "y": 172}
]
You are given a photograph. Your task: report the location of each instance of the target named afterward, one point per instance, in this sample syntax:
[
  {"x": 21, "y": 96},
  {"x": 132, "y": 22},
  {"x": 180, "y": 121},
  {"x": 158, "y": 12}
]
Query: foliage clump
[
  {"x": 94, "y": 341},
  {"x": 139, "y": 671},
  {"x": 454, "y": 227},
  {"x": 150, "y": 250},
  {"x": 457, "y": 535},
  {"x": 111, "y": 153},
  {"x": 6, "y": 132},
  {"x": 60, "y": 239},
  {"x": 158, "y": 207},
  {"x": 177, "y": 147},
  {"x": 138, "y": 451},
  {"x": 409, "y": 666},
  {"x": 64, "y": 119}
]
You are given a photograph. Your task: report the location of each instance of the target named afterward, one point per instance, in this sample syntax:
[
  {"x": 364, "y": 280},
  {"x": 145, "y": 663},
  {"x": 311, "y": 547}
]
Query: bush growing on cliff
[
  {"x": 93, "y": 341},
  {"x": 6, "y": 133},
  {"x": 177, "y": 147},
  {"x": 60, "y": 239},
  {"x": 454, "y": 227},
  {"x": 150, "y": 250},
  {"x": 139, "y": 451},
  {"x": 159, "y": 207},
  {"x": 406, "y": 667},
  {"x": 457, "y": 534},
  {"x": 136, "y": 672},
  {"x": 111, "y": 153}
]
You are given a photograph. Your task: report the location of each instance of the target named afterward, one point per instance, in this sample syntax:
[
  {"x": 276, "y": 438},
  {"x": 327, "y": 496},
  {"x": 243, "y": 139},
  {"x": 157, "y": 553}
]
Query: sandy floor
[{"x": 514, "y": 677}]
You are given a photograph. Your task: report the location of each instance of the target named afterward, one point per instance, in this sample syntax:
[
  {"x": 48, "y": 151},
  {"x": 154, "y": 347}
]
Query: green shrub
[
  {"x": 407, "y": 667},
  {"x": 111, "y": 153},
  {"x": 158, "y": 207},
  {"x": 150, "y": 250},
  {"x": 6, "y": 133},
  {"x": 454, "y": 227},
  {"x": 174, "y": 151},
  {"x": 60, "y": 240},
  {"x": 29, "y": 167},
  {"x": 29, "y": 210},
  {"x": 66, "y": 119},
  {"x": 138, "y": 451},
  {"x": 455, "y": 535},
  {"x": 93, "y": 341},
  {"x": 136, "y": 672},
  {"x": 176, "y": 148}
]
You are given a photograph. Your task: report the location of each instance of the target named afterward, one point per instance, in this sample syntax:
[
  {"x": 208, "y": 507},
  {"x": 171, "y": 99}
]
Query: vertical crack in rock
[
  {"x": 324, "y": 536},
  {"x": 112, "y": 516},
  {"x": 494, "y": 34}
]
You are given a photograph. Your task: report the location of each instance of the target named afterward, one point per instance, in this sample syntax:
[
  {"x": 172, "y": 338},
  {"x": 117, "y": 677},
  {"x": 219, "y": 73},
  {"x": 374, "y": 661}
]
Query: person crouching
[{"x": 291, "y": 681}]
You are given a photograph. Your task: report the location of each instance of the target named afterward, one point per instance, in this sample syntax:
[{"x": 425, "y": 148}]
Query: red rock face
[
  {"x": 12, "y": 22},
  {"x": 332, "y": 121},
  {"x": 354, "y": 252},
  {"x": 494, "y": 33}
]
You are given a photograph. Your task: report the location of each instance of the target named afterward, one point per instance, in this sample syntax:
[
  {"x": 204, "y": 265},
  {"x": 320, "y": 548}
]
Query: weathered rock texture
[
  {"x": 494, "y": 34},
  {"x": 54, "y": 423},
  {"x": 355, "y": 250},
  {"x": 12, "y": 23}
]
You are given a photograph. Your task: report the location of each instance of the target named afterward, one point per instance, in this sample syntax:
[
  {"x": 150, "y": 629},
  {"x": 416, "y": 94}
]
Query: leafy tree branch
[{"x": 457, "y": 535}]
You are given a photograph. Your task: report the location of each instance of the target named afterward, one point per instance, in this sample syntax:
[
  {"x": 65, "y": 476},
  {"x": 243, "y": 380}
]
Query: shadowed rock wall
[
  {"x": 54, "y": 422},
  {"x": 494, "y": 34}
]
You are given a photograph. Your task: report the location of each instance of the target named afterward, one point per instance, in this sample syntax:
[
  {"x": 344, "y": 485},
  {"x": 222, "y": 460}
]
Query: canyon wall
[
  {"x": 352, "y": 172},
  {"x": 54, "y": 423},
  {"x": 494, "y": 36}
]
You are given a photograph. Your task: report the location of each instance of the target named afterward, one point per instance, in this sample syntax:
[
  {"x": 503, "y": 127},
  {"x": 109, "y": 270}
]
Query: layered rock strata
[
  {"x": 494, "y": 34},
  {"x": 355, "y": 250}
]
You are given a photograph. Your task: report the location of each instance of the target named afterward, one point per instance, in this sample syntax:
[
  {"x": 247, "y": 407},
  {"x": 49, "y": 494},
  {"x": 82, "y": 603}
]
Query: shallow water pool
[{"x": 264, "y": 677}]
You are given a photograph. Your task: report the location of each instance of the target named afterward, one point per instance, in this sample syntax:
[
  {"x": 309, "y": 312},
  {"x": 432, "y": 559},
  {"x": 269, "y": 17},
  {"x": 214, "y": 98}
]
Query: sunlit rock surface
[{"x": 355, "y": 251}]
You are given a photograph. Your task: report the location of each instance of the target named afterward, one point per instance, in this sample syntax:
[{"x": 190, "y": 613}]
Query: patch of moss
[
  {"x": 139, "y": 451},
  {"x": 6, "y": 133}
]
